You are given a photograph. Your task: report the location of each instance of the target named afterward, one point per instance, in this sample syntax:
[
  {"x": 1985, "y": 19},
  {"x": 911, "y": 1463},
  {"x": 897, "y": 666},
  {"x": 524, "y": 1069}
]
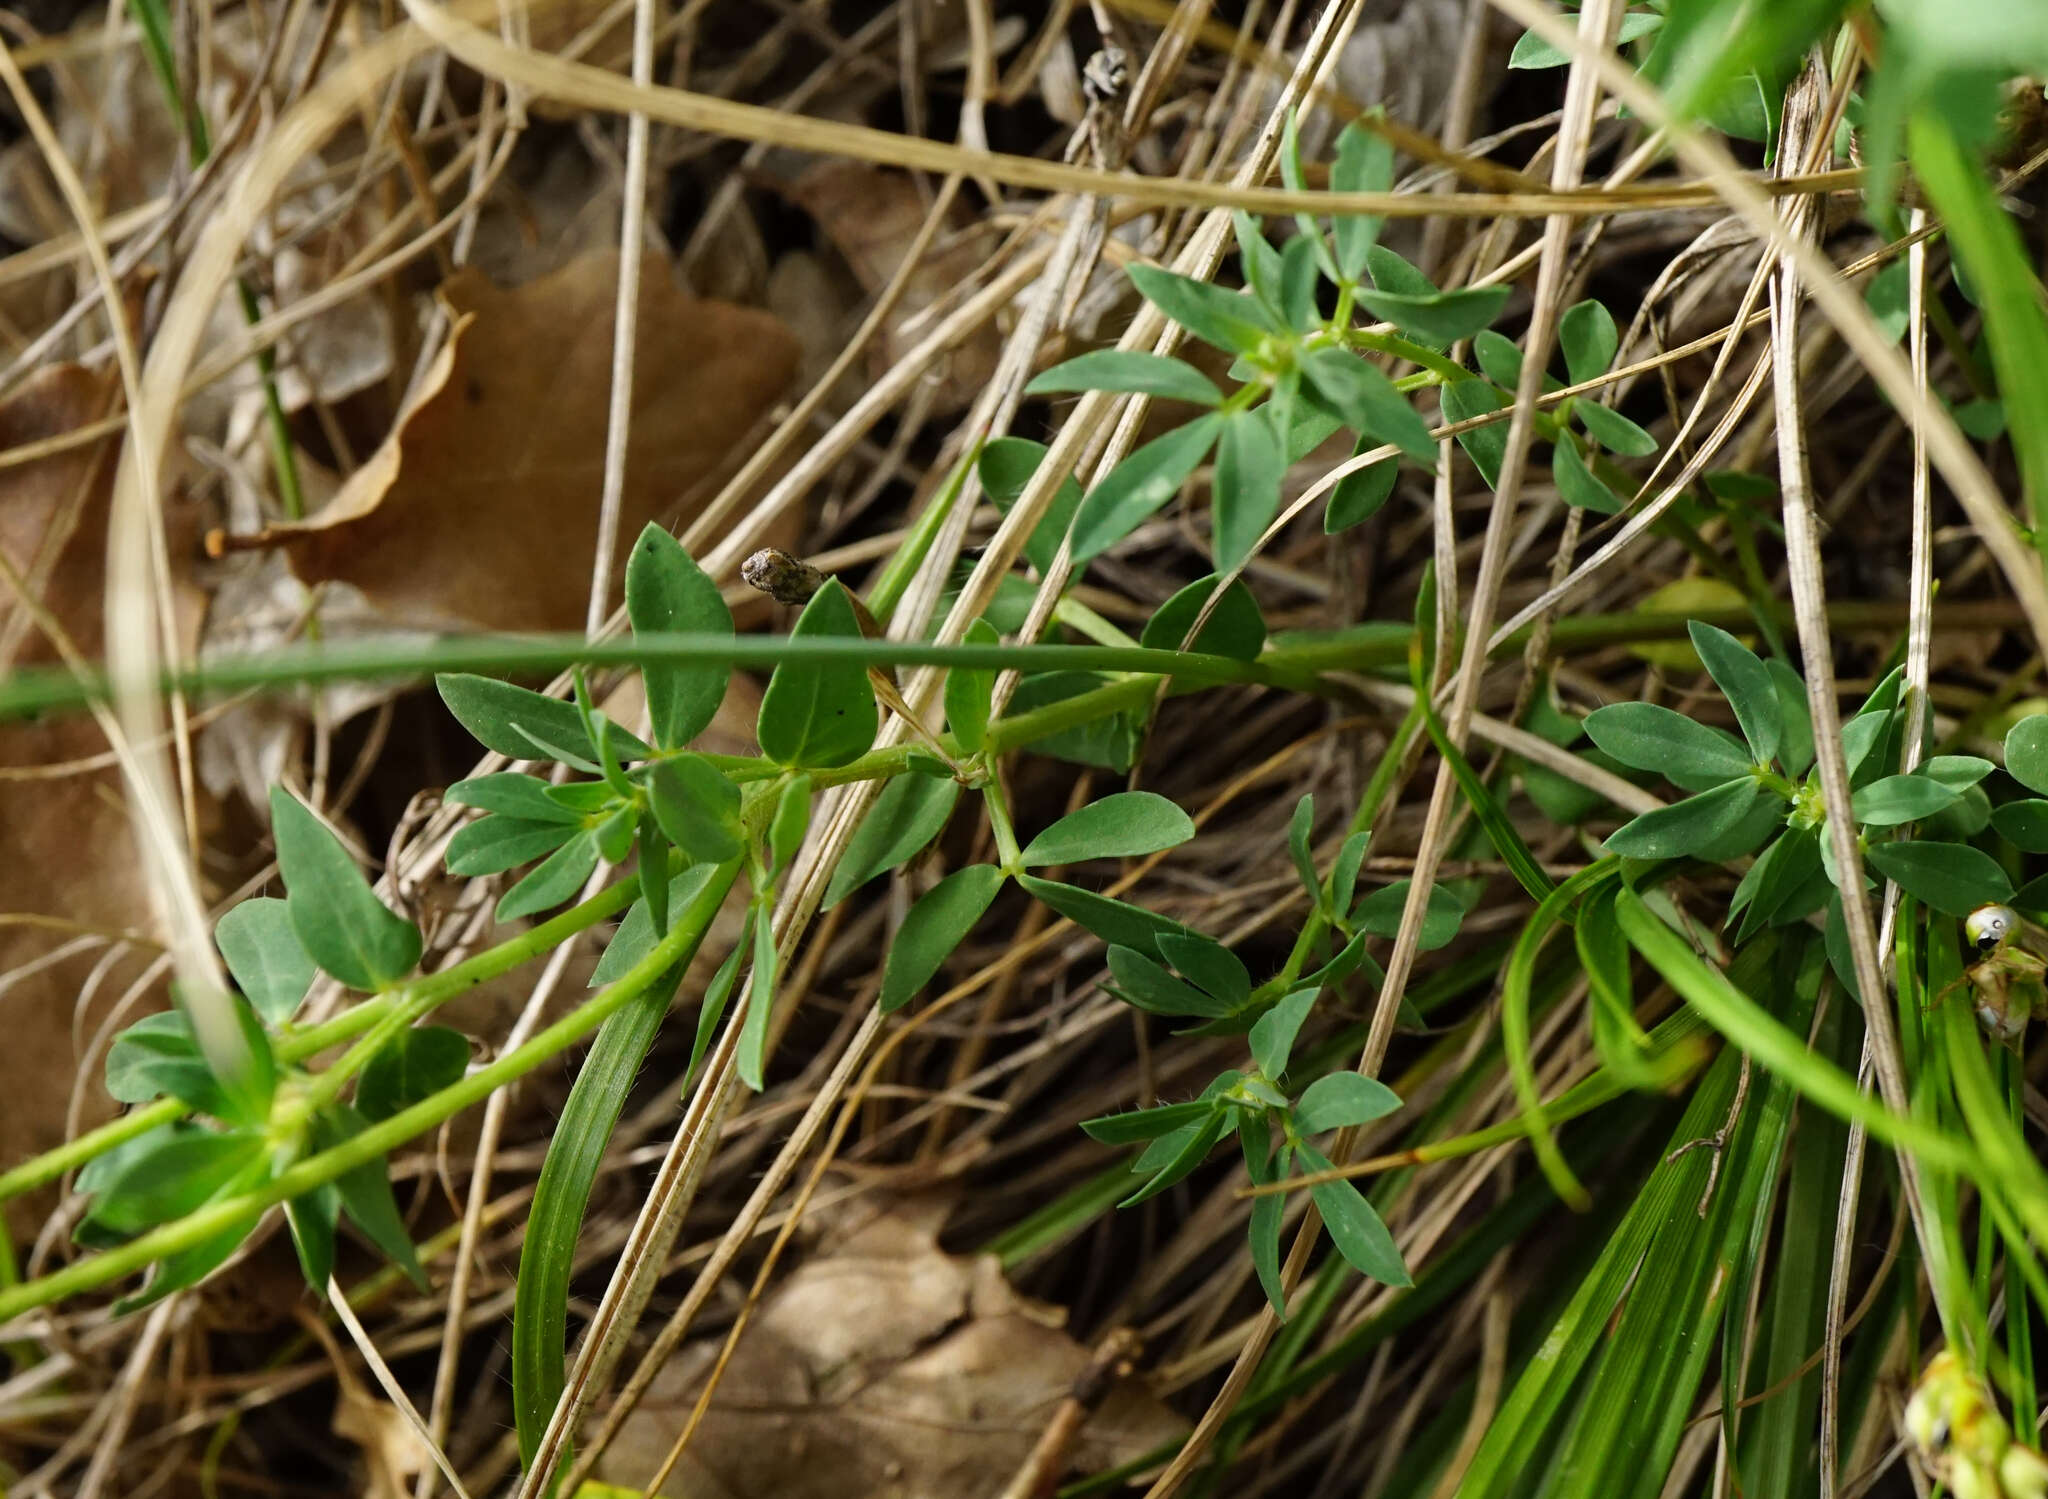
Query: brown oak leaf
[{"x": 481, "y": 508}]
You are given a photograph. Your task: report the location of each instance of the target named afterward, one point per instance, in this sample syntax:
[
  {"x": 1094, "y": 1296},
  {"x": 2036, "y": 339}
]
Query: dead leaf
[
  {"x": 481, "y": 508},
  {"x": 393, "y": 1452},
  {"x": 884, "y": 1368},
  {"x": 318, "y": 225},
  {"x": 872, "y": 216},
  {"x": 65, "y": 846}
]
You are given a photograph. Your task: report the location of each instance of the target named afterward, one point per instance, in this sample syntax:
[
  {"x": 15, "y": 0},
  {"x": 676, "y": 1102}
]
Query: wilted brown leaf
[
  {"x": 111, "y": 94},
  {"x": 481, "y": 508},
  {"x": 884, "y": 1368},
  {"x": 65, "y": 846},
  {"x": 393, "y": 1453}
]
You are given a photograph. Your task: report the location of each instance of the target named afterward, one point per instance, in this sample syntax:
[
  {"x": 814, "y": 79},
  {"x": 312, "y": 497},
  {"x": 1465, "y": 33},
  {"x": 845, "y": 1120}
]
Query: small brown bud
[{"x": 780, "y": 576}]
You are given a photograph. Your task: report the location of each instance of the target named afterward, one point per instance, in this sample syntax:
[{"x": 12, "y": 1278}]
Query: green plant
[{"x": 181, "y": 1195}]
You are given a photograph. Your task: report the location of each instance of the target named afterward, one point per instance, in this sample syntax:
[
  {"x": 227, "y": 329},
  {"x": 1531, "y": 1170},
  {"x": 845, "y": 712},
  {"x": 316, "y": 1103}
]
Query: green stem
[
  {"x": 435, "y": 989},
  {"x": 1347, "y": 298},
  {"x": 284, "y": 458},
  {"x": 385, "y": 1135},
  {"x": 1384, "y": 775},
  {"x": 1382, "y": 644},
  {"x": 156, "y": 44},
  {"x": 1021, "y": 729},
  {"x": 406, "y": 1005},
  {"x": 999, "y": 821},
  {"x": 1742, "y": 531},
  {"x": 1337, "y": 333},
  {"x": 1296, "y": 657},
  {"x": 1445, "y": 369},
  {"x": 1778, "y": 785},
  {"x": 1293, "y": 662},
  {"x": 22, "y": 1354},
  {"x": 27, "y": 693},
  {"x": 1378, "y": 647},
  {"x": 1969, "y": 363}
]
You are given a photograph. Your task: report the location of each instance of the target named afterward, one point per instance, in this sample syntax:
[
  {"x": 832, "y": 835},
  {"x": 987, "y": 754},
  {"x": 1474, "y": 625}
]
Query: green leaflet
[
  {"x": 819, "y": 714},
  {"x": 1140, "y": 485},
  {"x": 1438, "y": 318},
  {"x": 1246, "y": 492},
  {"x": 1114, "y": 921},
  {"x": 970, "y": 693},
  {"x": 667, "y": 593},
  {"x": 1235, "y": 628},
  {"x": 1369, "y": 403},
  {"x": 697, "y": 808},
  {"x": 938, "y": 923},
  {"x": 1125, "y": 824},
  {"x": 514, "y": 721},
  {"x": 265, "y": 957},
  {"x": 414, "y": 1064},
  {"x": 1128, "y": 370},
  {"x": 338, "y": 918},
  {"x": 753, "y": 1057},
  {"x": 1234, "y": 323},
  {"x": 1590, "y": 340},
  {"x": 1354, "y": 1227},
  {"x": 907, "y": 815}
]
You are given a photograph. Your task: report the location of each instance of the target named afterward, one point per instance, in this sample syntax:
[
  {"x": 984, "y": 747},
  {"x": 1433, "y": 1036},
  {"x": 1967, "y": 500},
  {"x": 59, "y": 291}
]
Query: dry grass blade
[
  {"x": 1809, "y": 599},
  {"x": 625, "y": 327},
  {"x": 388, "y": 1382}
]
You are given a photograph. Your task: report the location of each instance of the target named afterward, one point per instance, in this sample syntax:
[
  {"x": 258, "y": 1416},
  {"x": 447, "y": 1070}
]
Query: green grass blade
[
  {"x": 2002, "y": 276},
  {"x": 1062, "y": 1218},
  {"x": 1779, "y": 1454},
  {"x": 1738, "y": 1017},
  {"x": 1500, "y": 1468},
  {"x": 2016, "y": 1185},
  {"x": 1943, "y": 1261},
  {"x": 2020, "y": 1385},
  {"x": 1514, "y": 1023},
  {"x": 541, "y": 1311},
  {"x": 1695, "y": 1274}
]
